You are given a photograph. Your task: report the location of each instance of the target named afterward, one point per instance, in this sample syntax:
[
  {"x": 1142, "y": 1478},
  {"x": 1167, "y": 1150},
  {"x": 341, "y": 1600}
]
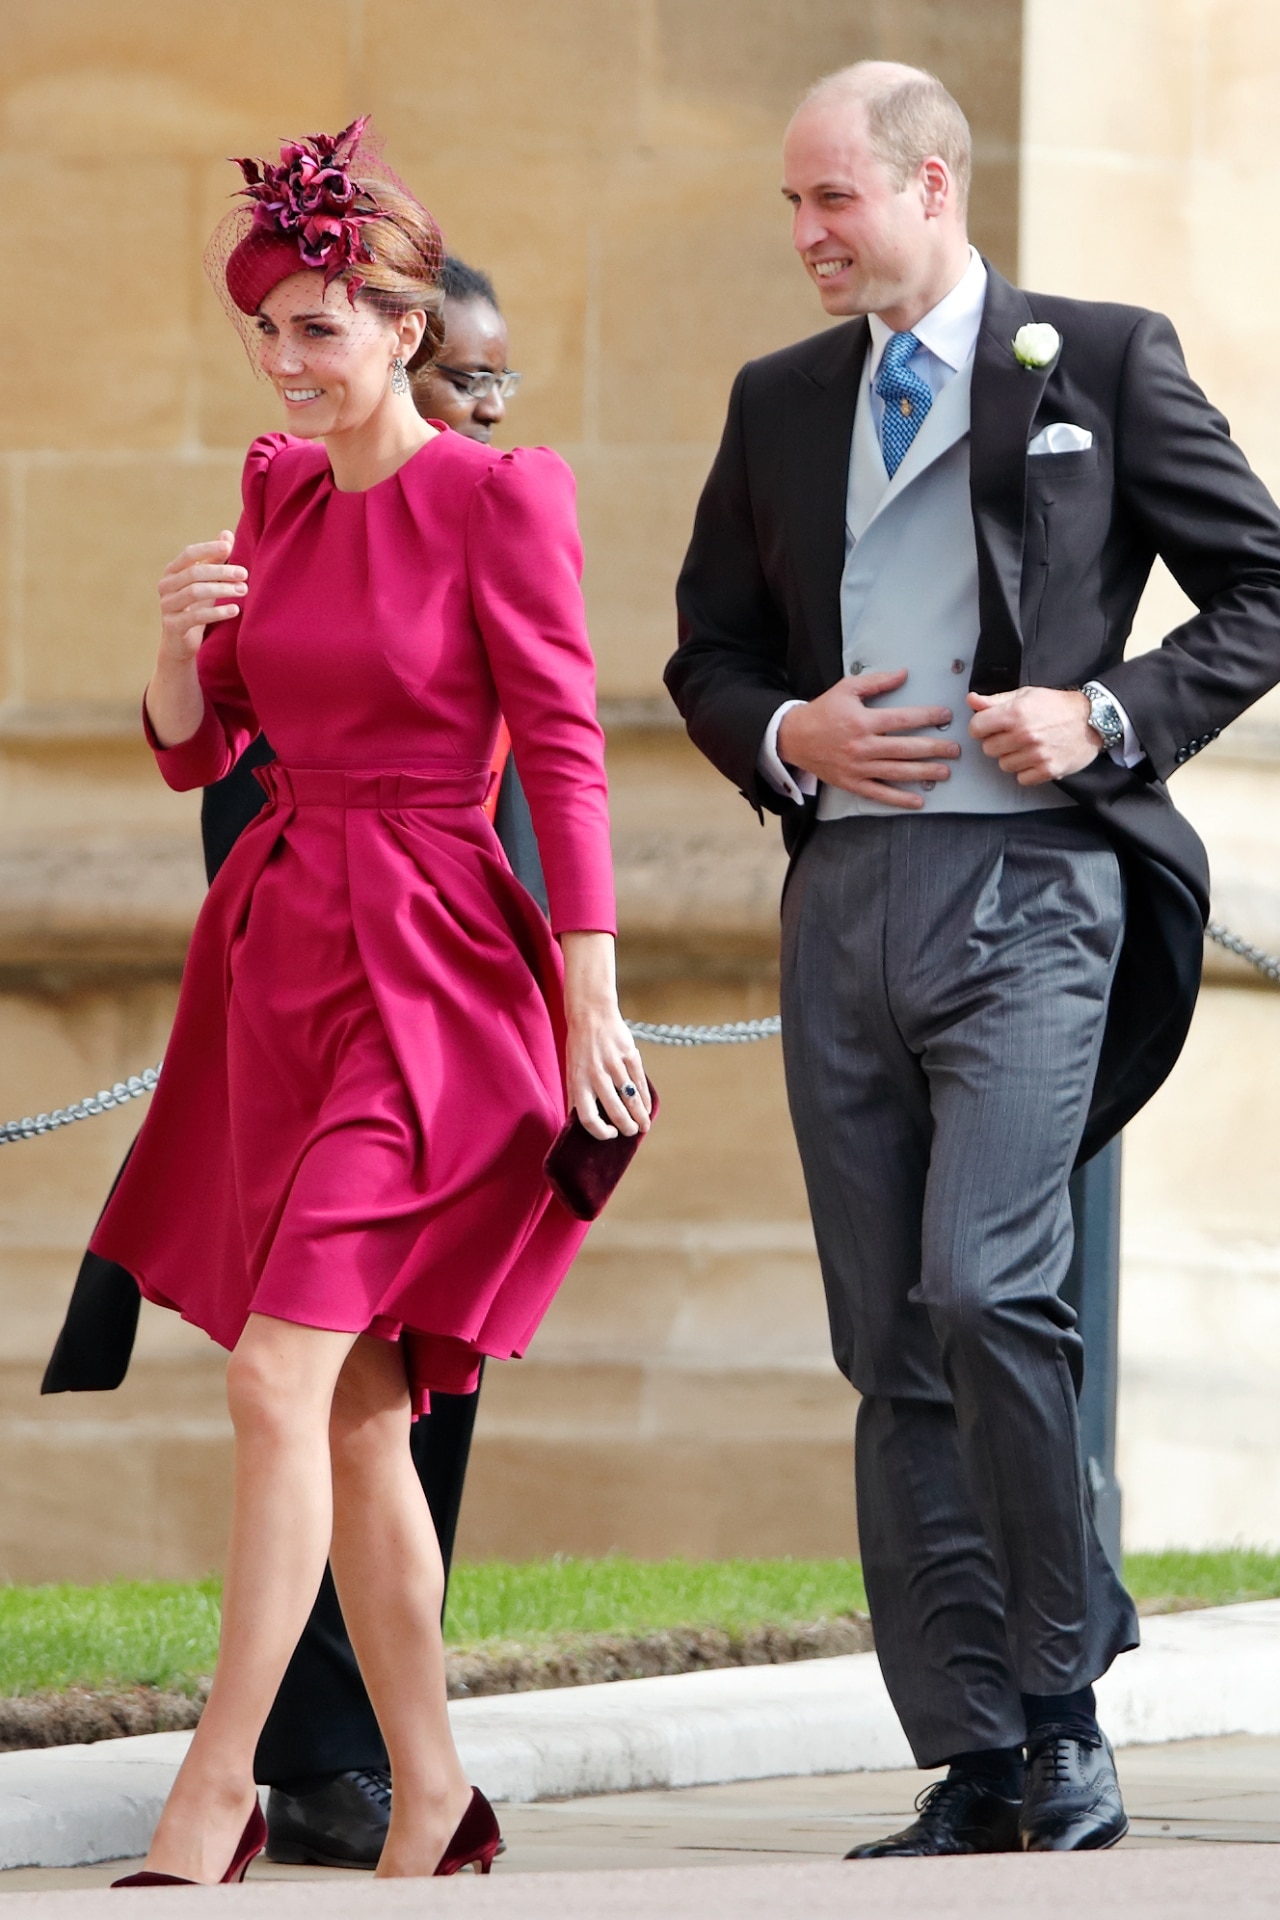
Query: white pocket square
[{"x": 1061, "y": 437}]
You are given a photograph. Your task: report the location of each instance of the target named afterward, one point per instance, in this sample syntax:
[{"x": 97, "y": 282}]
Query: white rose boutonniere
[{"x": 1036, "y": 345}]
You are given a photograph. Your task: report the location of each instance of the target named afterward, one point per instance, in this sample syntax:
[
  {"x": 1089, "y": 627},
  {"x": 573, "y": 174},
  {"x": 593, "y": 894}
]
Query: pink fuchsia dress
[{"x": 365, "y": 1072}]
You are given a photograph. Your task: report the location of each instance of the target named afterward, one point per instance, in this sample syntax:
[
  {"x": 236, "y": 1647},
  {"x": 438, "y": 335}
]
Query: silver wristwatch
[{"x": 1104, "y": 715}]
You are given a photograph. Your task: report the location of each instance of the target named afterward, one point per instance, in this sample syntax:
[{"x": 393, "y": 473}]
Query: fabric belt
[{"x": 463, "y": 783}]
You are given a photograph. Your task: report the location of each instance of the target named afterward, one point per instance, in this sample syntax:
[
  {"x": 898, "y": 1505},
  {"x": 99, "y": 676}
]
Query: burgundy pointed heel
[
  {"x": 476, "y": 1840},
  {"x": 252, "y": 1841}
]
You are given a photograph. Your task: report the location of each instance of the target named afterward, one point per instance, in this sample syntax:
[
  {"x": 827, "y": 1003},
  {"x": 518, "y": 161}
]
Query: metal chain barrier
[
  {"x": 1268, "y": 964},
  {"x": 733, "y": 1033},
  {"x": 123, "y": 1091}
]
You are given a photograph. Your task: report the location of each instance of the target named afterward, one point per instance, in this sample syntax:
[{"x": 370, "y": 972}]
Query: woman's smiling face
[{"x": 329, "y": 361}]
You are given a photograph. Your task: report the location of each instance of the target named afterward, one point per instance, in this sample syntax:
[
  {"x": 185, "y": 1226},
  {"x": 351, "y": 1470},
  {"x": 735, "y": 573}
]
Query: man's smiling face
[{"x": 861, "y": 237}]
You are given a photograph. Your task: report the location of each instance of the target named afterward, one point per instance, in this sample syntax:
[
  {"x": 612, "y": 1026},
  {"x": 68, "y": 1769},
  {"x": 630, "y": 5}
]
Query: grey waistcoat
[{"x": 909, "y": 598}]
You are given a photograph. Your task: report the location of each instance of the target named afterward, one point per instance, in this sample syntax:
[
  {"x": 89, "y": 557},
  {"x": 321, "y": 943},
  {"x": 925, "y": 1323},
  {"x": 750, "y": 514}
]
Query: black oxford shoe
[
  {"x": 338, "y": 1822},
  {"x": 1072, "y": 1802},
  {"x": 956, "y": 1816}
]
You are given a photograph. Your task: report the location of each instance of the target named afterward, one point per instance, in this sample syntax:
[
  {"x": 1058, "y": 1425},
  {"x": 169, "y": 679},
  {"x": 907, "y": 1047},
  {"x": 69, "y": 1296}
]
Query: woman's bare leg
[
  {"x": 386, "y": 1564},
  {"x": 280, "y": 1386}
]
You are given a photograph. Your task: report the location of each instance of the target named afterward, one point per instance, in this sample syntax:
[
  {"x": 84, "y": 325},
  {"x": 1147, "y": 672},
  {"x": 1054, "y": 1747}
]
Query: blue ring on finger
[{"x": 630, "y": 1091}]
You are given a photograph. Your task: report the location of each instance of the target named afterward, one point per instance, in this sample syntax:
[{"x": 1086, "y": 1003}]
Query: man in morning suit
[{"x": 903, "y": 615}]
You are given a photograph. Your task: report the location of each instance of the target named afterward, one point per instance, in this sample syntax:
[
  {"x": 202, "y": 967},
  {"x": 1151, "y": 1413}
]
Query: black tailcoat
[{"x": 1065, "y": 546}]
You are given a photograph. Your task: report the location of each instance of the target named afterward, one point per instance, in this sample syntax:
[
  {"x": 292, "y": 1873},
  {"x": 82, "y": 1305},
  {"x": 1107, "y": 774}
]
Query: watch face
[{"x": 1106, "y": 720}]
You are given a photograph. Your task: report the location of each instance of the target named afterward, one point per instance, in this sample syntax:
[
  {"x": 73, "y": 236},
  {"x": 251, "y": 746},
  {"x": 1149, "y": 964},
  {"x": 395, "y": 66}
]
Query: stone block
[
  {"x": 536, "y": 246},
  {"x": 724, "y": 1403},
  {"x": 562, "y": 77},
  {"x": 66, "y": 787},
  {"x": 234, "y": 405},
  {"x": 1203, "y": 1152},
  {"x": 724, "y": 1112},
  {"x": 10, "y": 573},
  {"x": 994, "y": 213},
  {"x": 113, "y": 242},
  {"x": 132, "y": 1484},
  {"x": 99, "y": 902},
  {"x": 698, "y": 879},
  {"x": 636, "y": 507},
  {"x": 35, "y": 1286},
  {"x": 697, "y": 274},
  {"x": 700, "y": 1298},
  {"x": 1118, "y": 77},
  {"x": 99, "y": 533},
  {"x": 1238, "y": 73},
  {"x": 729, "y": 78},
  {"x": 729, "y": 75},
  {"x": 976, "y": 51},
  {"x": 58, "y": 1046},
  {"x": 1230, "y": 339},
  {"x": 75, "y": 1506},
  {"x": 1138, "y": 253},
  {"x": 706, "y": 1499},
  {"x": 130, "y": 80}
]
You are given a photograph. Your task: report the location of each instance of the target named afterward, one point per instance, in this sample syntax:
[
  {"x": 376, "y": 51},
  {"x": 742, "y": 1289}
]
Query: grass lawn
[{"x": 164, "y": 1633}]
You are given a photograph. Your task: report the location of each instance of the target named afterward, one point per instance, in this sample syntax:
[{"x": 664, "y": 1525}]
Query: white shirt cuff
[
  {"x": 1131, "y": 749},
  {"x": 795, "y": 786}
]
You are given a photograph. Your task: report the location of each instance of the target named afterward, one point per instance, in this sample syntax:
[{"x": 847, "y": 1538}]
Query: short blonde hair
[{"x": 910, "y": 115}]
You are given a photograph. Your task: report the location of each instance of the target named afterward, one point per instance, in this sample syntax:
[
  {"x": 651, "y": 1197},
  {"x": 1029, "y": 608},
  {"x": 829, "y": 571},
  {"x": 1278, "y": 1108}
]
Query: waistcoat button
[{"x": 957, "y": 666}]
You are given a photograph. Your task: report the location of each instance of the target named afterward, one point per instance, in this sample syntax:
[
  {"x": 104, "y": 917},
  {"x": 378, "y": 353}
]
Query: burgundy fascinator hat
[{"x": 311, "y": 211}]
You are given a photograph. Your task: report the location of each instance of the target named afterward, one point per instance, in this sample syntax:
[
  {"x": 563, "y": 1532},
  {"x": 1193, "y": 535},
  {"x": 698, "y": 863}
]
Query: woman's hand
[
  {"x": 190, "y": 588},
  {"x": 606, "y": 1082}
]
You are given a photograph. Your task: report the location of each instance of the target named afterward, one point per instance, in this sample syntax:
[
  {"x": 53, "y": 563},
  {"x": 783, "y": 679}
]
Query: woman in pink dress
[{"x": 341, "y": 1175}]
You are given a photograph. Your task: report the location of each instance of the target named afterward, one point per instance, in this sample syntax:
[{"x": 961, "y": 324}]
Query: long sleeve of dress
[
  {"x": 524, "y": 561},
  {"x": 229, "y": 722}
]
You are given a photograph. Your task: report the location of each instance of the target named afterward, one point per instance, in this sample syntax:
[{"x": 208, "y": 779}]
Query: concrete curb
[{"x": 1196, "y": 1676}]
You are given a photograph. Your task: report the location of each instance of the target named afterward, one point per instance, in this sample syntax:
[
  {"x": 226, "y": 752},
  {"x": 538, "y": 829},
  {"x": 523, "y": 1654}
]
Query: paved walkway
[{"x": 614, "y": 1855}]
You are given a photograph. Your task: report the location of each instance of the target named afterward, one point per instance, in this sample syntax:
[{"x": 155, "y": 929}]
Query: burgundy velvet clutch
[{"x": 584, "y": 1171}]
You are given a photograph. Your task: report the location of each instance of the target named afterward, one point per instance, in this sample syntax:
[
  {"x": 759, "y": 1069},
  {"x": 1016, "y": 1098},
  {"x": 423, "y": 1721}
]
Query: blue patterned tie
[{"x": 906, "y": 397}]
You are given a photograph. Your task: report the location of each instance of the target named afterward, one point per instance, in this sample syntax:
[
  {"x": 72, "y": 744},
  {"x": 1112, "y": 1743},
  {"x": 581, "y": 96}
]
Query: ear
[
  {"x": 937, "y": 188},
  {"x": 410, "y": 330}
]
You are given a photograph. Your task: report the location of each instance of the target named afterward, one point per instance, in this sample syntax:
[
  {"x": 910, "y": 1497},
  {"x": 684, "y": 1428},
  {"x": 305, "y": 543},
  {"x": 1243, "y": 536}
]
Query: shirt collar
[{"x": 949, "y": 331}]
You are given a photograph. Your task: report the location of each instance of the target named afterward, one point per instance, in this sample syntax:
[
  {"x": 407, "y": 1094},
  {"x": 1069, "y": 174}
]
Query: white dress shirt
[{"x": 948, "y": 336}]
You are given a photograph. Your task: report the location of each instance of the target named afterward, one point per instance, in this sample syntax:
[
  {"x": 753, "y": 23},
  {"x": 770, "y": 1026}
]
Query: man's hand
[
  {"x": 1036, "y": 733},
  {"x": 867, "y": 750}
]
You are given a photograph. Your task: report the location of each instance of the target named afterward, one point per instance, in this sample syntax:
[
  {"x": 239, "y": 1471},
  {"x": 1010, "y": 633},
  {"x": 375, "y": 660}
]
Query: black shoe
[
  {"x": 1071, "y": 1802},
  {"x": 959, "y": 1815},
  {"x": 338, "y": 1822}
]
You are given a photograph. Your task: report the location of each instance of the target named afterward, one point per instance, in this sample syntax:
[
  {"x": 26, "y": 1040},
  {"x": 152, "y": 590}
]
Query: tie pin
[{"x": 905, "y": 404}]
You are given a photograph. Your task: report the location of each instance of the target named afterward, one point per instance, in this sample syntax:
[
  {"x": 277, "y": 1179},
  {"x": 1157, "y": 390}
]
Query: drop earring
[{"x": 399, "y": 378}]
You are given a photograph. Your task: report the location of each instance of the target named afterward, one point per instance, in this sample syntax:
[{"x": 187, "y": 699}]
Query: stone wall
[
  {"x": 1148, "y": 128},
  {"x": 614, "y": 164}
]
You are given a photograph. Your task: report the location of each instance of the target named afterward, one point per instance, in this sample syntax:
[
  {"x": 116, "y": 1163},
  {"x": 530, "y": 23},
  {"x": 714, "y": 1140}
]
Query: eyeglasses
[{"x": 479, "y": 383}]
